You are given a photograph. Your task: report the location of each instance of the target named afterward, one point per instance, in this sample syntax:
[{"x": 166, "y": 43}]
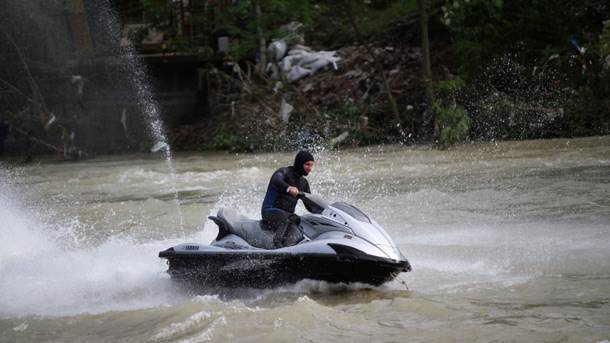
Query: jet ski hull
[{"x": 268, "y": 269}]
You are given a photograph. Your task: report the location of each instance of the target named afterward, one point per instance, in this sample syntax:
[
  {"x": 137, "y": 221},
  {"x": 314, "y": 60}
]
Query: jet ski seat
[{"x": 230, "y": 221}]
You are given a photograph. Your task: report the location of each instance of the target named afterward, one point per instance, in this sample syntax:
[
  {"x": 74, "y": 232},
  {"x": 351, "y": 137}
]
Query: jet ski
[{"x": 336, "y": 243}]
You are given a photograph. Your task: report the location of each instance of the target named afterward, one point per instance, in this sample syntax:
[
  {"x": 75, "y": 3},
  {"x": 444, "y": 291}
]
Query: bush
[
  {"x": 453, "y": 123},
  {"x": 452, "y": 120},
  {"x": 224, "y": 140}
]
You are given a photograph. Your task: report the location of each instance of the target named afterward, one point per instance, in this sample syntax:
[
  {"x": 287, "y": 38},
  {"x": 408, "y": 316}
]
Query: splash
[
  {"x": 48, "y": 269},
  {"x": 137, "y": 76}
]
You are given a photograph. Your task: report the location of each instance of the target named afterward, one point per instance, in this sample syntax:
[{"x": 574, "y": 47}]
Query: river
[{"x": 509, "y": 241}]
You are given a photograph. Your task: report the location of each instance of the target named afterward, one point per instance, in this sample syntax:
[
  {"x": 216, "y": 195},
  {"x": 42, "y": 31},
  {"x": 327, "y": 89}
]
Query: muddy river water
[{"x": 509, "y": 241}]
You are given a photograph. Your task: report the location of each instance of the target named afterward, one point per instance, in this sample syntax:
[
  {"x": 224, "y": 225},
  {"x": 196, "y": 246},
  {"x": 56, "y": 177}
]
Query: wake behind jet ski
[{"x": 337, "y": 243}]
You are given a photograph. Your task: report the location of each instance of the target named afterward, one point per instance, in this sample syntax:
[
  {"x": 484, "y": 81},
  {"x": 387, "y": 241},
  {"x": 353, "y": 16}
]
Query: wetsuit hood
[{"x": 301, "y": 158}]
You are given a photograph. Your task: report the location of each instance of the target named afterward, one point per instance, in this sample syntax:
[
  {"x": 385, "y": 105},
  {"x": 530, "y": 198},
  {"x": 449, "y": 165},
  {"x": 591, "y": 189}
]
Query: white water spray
[
  {"x": 148, "y": 105},
  {"x": 47, "y": 269}
]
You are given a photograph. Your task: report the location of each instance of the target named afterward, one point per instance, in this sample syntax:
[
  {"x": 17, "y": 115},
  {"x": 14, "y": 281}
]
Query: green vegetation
[
  {"x": 604, "y": 40},
  {"x": 224, "y": 140},
  {"x": 453, "y": 121},
  {"x": 532, "y": 68},
  {"x": 517, "y": 69},
  {"x": 242, "y": 22},
  {"x": 331, "y": 25},
  {"x": 499, "y": 70}
]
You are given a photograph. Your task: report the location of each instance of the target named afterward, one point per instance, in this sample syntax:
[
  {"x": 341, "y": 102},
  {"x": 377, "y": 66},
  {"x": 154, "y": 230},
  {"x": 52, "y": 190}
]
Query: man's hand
[{"x": 293, "y": 191}]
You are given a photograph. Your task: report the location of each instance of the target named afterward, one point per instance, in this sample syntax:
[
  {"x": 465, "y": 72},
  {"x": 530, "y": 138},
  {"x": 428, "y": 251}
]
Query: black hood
[{"x": 302, "y": 158}]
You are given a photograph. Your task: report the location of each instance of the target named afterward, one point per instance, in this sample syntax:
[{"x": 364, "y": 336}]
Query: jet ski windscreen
[
  {"x": 314, "y": 202},
  {"x": 352, "y": 211}
]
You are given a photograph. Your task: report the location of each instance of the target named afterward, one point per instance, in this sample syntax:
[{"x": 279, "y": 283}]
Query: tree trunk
[
  {"x": 262, "y": 45},
  {"x": 426, "y": 68}
]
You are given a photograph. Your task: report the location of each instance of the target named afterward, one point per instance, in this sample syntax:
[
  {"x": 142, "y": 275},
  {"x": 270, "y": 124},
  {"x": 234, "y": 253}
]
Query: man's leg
[
  {"x": 276, "y": 220},
  {"x": 293, "y": 234}
]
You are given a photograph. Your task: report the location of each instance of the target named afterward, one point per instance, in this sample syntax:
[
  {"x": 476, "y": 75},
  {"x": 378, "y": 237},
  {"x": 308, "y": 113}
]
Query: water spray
[{"x": 147, "y": 103}]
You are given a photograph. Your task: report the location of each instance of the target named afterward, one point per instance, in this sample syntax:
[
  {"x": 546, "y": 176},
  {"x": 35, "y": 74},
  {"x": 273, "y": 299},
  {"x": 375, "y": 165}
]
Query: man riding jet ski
[
  {"x": 335, "y": 243},
  {"x": 281, "y": 197}
]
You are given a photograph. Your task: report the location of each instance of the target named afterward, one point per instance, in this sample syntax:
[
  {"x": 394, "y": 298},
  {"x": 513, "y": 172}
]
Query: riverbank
[{"x": 500, "y": 147}]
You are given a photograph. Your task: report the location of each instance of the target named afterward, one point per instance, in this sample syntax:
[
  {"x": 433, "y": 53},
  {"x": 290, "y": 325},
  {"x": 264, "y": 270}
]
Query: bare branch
[
  {"x": 17, "y": 90},
  {"x": 36, "y": 94}
]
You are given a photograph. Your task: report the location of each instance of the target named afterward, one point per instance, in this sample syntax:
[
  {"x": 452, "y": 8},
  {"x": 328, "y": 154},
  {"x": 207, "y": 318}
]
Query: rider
[{"x": 281, "y": 198}]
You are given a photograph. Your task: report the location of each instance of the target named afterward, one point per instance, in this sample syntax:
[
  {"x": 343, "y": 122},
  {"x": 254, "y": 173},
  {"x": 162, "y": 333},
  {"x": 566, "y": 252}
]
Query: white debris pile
[{"x": 289, "y": 59}]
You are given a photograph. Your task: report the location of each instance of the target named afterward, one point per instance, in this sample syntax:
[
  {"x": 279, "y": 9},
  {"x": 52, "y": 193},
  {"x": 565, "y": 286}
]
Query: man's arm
[
  {"x": 307, "y": 190},
  {"x": 277, "y": 181},
  {"x": 306, "y": 187}
]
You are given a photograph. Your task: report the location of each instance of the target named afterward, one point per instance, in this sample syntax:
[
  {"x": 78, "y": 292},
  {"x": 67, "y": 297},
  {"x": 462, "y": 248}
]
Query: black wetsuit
[{"x": 278, "y": 206}]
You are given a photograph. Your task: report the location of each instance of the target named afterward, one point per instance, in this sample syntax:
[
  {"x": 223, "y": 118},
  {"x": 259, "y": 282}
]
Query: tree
[
  {"x": 426, "y": 66},
  {"x": 262, "y": 48}
]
